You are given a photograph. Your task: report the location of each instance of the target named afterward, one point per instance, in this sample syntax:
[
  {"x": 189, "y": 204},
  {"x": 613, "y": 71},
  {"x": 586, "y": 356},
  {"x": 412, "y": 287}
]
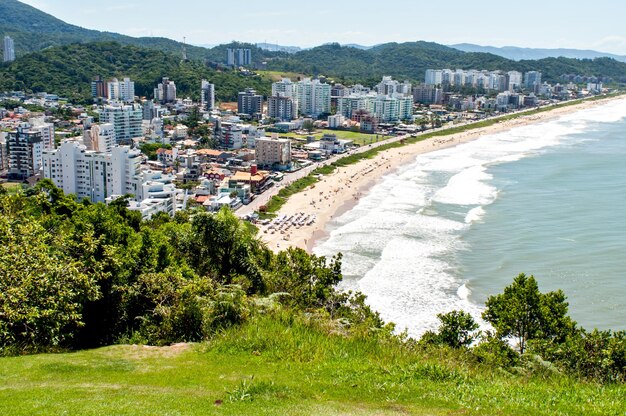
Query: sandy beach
[{"x": 306, "y": 214}]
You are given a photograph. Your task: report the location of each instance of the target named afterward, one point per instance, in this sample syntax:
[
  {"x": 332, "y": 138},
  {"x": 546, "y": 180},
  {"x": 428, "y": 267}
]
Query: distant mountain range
[{"x": 517, "y": 54}]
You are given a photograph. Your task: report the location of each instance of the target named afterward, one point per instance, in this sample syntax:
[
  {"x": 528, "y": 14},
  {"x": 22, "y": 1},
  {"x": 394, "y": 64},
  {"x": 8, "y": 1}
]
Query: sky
[{"x": 597, "y": 25}]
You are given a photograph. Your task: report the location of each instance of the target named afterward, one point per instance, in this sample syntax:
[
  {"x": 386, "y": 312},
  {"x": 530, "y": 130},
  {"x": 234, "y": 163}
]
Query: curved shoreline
[{"x": 338, "y": 192}]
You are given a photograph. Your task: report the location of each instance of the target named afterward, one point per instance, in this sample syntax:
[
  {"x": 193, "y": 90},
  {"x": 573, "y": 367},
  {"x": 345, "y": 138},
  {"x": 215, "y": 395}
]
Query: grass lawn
[
  {"x": 278, "y": 75},
  {"x": 357, "y": 137},
  {"x": 286, "y": 366},
  {"x": 11, "y": 187}
]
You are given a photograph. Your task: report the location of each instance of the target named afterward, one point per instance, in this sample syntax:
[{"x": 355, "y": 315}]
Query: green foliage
[
  {"x": 150, "y": 149},
  {"x": 68, "y": 70},
  {"x": 42, "y": 288},
  {"x": 410, "y": 60},
  {"x": 457, "y": 330},
  {"x": 525, "y": 313}
]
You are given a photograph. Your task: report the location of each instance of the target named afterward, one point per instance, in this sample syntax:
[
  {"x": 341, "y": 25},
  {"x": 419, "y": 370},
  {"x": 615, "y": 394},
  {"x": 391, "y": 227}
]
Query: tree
[
  {"x": 457, "y": 329},
  {"x": 524, "y": 313},
  {"x": 308, "y": 126}
]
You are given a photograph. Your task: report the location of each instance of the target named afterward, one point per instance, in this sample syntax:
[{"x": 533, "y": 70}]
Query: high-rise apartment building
[
  {"x": 282, "y": 108},
  {"x": 229, "y": 135},
  {"x": 25, "y": 148},
  {"x": 238, "y": 57},
  {"x": 4, "y": 152},
  {"x": 434, "y": 77},
  {"x": 121, "y": 90},
  {"x": 249, "y": 102},
  {"x": 46, "y": 129},
  {"x": 284, "y": 88},
  {"x": 100, "y": 137},
  {"x": 165, "y": 92},
  {"x": 207, "y": 95},
  {"x": 313, "y": 97},
  {"x": 9, "y": 50},
  {"x": 126, "y": 121},
  {"x": 514, "y": 80},
  {"x": 532, "y": 80},
  {"x": 427, "y": 94},
  {"x": 91, "y": 174},
  {"x": 99, "y": 87}
]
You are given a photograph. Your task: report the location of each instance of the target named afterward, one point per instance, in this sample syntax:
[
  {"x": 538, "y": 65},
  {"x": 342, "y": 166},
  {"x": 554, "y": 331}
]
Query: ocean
[{"x": 457, "y": 225}]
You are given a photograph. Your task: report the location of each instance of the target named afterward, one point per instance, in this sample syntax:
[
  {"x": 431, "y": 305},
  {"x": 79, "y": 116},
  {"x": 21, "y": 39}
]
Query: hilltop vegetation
[
  {"x": 410, "y": 60},
  {"x": 68, "y": 71}
]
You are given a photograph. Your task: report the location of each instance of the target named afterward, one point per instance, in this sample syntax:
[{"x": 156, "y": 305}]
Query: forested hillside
[
  {"x": 68, "y": 70},
  {"x": 411, "y": 60}
]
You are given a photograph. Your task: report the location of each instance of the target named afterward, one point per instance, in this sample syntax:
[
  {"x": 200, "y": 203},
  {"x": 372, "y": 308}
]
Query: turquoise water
[
  {"x": 457, "y": 225},
  {"x": 561, "y": 216}
]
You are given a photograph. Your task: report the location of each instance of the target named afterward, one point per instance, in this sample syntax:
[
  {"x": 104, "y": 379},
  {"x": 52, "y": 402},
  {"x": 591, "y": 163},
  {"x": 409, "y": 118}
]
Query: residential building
[
  {"x": 250, "y": 103},
  {"x": 427, "y": 94},
  {"x": 313, "y": 97},
  {"x": 284, "y": 88},
  {"x": 99, "y": 87},
  {"x": 434, "y": 77},
  {"x": 238, "y": 57},
  {"x": 121, "y": 90},
  {"x": 389, "y": 109},
  {"x": 207, "y": 95},
  {"x": 4, "y": 152},
  {"x": 336, "y": 121},
  {"x": 91, "y": 174},
  {"x": 282, "y": 108},
  {"x": 532, "y": 80},
  {"x": 25, "y": 148},
  {"x": 46, "y": 129},
  {"x": 514, "y": 80},
  {"x": 165, "y": 92},
  {"x": 229, "y": 135},
  {"x": 126, "y": 120},
  {"x": 388, "y": 86},
  {"x": 273, "y": 153},
  {"x": 348, "y": 106},
  {"x": 100, "y": 137},
  {"x": 9, "y": 49}
]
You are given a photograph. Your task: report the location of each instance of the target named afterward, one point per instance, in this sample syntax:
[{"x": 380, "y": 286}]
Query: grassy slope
[{"x": 297, "y": 368}]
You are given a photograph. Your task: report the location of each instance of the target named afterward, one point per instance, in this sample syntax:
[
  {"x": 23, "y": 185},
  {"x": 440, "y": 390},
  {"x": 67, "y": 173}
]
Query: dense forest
[{"x": 68, "y": 71}]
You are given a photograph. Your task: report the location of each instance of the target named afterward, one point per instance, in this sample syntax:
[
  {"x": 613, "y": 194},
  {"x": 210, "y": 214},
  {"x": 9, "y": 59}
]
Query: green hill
[
  {"x": 410, "y": 60},
  {"x": 34, "y": 30},
  {"x": 68, "y": 70}
]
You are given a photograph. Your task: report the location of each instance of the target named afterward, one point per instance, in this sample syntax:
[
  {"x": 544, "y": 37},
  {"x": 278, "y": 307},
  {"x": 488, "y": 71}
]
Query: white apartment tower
[
  {"x": 121, "y": 90},
  {"x": 207, "y": 95},
  {"x": 313, "y": 97},
  {"x": 126, "y": 120},
  {"x": 100, "y": 137},
  {"x": 93, "y": 175},
  {"x": 47, "y": 131},
  {"x": 9, "y": 49}
]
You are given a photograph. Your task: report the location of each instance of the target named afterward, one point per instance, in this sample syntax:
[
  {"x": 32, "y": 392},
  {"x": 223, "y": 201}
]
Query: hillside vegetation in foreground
[{"x": 236, "y": 329}]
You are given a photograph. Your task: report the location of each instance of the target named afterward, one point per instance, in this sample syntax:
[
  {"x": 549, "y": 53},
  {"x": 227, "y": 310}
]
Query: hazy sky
[{"x": 598, "y": 24}]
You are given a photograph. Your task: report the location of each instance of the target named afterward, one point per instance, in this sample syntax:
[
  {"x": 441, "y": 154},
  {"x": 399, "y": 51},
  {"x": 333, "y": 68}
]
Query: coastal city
[
  {"x": 167, "y": 153},
  {"x": 260, "y": 209}
]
